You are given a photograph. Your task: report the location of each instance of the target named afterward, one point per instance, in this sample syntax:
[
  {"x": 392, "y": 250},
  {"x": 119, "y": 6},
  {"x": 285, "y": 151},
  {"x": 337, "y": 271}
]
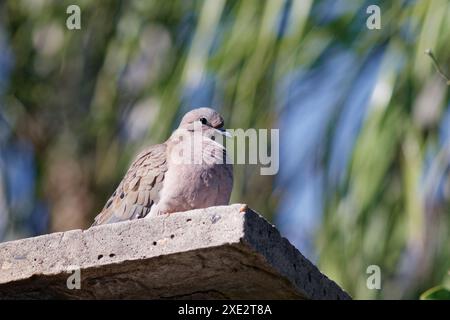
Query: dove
[{"x": 188, "y": 171}]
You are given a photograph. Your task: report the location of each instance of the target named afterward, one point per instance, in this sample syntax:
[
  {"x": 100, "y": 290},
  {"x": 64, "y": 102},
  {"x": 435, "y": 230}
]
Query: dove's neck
[{"x": 187, "y": 147}]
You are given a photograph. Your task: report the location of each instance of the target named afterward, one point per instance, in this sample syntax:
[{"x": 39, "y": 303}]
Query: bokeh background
[{"x": 364, "y": 119}]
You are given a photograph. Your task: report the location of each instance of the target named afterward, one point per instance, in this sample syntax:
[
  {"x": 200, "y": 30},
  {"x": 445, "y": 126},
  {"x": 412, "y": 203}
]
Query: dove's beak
[{"x": 223, "y": 132}]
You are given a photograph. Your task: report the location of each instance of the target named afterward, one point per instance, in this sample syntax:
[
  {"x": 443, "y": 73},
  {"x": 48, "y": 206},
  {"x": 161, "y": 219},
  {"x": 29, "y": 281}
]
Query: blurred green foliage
[
  {"x": 436, "y": 293},
  {"x": 89, "y": 99}
]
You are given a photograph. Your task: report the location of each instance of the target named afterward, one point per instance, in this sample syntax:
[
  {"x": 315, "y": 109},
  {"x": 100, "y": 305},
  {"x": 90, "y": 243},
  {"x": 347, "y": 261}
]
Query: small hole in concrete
[
  {"x": 112, "y": 255},
  {"x": 295, "y": 266},
  {"x": 172, "y": 236},
  {"x": 215, "y": 218},
  {"x": 99, "y": 256},
  {"x": 188, "y": 220},
  {"x": 154, "y": 243}
]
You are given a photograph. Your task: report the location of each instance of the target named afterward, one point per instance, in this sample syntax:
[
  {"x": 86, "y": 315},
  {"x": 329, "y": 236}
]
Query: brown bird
[{"x": 188, "y": 171}]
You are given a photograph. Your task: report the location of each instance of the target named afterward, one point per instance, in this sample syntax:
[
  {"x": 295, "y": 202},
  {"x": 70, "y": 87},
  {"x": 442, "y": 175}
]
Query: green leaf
[{"x": 436, "y": 293}]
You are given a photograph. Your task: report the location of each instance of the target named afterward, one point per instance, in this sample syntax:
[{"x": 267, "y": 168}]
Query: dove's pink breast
[{"x": 194, "y": 186}]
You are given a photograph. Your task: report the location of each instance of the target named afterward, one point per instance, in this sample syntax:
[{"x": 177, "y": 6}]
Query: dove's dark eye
[{"x": 203, "y": 120}]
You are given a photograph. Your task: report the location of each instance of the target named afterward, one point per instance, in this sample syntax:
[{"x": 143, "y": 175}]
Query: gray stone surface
[{"x": 219, "y": 253}]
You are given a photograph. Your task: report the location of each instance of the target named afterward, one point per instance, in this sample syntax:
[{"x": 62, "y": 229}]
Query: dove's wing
[{"x": 138, "y": 190}]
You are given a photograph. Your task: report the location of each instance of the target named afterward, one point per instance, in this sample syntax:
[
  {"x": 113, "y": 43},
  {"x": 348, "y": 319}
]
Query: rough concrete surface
[{"x": 214, "y": 253}]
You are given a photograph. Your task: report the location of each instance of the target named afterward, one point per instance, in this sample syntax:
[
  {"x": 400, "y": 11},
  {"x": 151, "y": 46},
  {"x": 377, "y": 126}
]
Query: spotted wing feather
[{"x": 139, "y": 189}]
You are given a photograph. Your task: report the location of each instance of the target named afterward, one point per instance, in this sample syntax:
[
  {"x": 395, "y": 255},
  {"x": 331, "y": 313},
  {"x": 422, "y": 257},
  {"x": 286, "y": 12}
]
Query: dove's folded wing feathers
[{"x": 139, "y": 190}]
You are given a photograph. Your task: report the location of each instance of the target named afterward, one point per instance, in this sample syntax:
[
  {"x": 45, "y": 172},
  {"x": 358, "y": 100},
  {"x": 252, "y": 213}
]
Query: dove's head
[{"x": 205, "y": 120}]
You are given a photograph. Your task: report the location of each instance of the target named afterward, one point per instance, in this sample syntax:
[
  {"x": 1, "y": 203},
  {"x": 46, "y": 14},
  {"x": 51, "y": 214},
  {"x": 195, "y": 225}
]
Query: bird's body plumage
[
  {"x": 157, "y": 182},
  {"x": 139, "y": 190}
]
